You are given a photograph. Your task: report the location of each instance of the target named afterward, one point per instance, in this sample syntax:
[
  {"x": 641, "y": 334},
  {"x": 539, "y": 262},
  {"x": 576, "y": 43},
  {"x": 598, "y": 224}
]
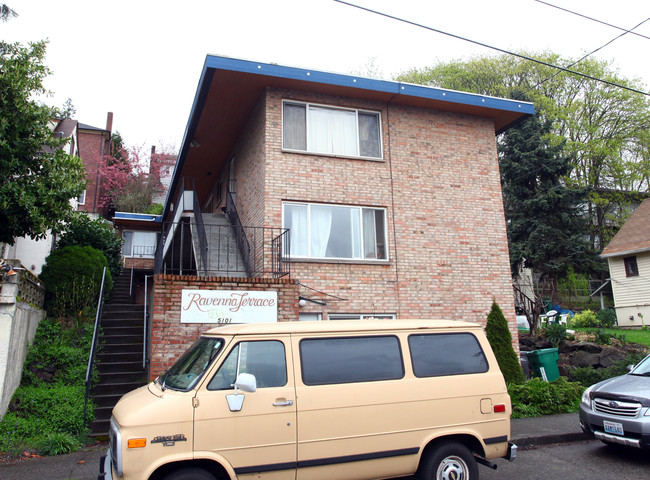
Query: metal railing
[
  {"x": 238, "y": 230},
  {"x": 266, "y": 252},
  {"x": 93, "y": 346}
]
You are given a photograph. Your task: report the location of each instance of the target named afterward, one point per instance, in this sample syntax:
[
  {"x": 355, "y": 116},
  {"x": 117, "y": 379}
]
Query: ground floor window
[
  {"x": 139, "y": 244},
  {"x": 325, "y": 231}
]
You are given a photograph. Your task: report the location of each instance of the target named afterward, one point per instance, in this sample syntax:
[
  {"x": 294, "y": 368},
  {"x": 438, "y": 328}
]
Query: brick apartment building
[
  {"x": 345, "y": 196},
  {"x": 94, "y": 143}
]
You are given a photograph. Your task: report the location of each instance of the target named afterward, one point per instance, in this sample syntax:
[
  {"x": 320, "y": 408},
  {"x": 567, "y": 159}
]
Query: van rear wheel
[
  {"x": 189, "y": 473},
  {"x": 450, "y": 461}
]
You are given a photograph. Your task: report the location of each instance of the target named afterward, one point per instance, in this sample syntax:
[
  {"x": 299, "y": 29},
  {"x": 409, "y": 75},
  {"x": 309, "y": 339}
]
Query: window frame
[
  {"x": 81, "y": 199},
  {"x": 361, "y": 316},
  {"x": 631, "y": 266},
  {"x": 416, "y": 368},
  {"x": 307, "y": 340},
  {"x": 133, "y": 232},
  {"x": 361, "y": 243},
  {"x": 307, "y": 150}
]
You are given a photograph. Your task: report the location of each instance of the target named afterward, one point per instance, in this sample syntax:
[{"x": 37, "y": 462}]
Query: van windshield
[{"x": 188, "y": 369}]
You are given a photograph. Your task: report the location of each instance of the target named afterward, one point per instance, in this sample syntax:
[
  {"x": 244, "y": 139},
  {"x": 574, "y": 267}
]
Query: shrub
[
  {"x": 585, "y": 319},
  {"x": 83, "y": 231},
  {"x": 72, "y": 277},
  {"x": 537, "y": 397},
  {"x": 500, "y": 340},
  {"x": 607, "y": 317},
  {"x": 58, "y": 443},
  {"x": 555, "y": 333}
]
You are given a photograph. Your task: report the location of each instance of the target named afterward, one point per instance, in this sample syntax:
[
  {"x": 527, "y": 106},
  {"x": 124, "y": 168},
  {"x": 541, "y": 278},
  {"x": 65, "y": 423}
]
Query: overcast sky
[{"x": 141, "y": 59}]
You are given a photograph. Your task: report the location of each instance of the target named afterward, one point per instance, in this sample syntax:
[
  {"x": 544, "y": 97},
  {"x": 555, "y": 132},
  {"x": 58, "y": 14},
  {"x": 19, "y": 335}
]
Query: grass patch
[{"x": 631, "y": 336}]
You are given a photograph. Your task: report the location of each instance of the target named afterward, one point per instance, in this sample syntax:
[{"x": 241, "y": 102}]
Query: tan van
[{"x": 327, "y": 400}]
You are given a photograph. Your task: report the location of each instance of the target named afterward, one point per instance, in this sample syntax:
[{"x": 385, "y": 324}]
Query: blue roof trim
[
  {"x": 143, "y": 217},
  {"x": 387, "y": 86}
]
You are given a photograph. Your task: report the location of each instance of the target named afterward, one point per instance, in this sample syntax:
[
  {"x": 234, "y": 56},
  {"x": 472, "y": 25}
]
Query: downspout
[{"x": 392, "y": 201}]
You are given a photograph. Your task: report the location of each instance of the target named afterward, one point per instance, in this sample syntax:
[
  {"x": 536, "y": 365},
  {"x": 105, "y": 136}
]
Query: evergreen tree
[
  {"x": 500, "y": 339},
  {"x": 547, "y": 228}
]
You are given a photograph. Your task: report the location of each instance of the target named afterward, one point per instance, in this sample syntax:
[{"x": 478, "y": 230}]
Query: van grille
[{"x": 613, "y": 407}]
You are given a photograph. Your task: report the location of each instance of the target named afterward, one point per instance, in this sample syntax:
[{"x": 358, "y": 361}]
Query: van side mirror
[{"x": 246, "y": 383}]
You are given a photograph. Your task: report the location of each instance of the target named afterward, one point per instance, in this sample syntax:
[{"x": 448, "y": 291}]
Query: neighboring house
[
  {"x": 165, "y": 163},
  {"x": 343, "y": 196},
  {"x": 628, "y": 256},
  {"x": 94, "y": 143}
]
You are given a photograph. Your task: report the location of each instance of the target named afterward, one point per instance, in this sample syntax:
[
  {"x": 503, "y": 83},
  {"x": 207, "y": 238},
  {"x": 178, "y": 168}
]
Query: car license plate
[{"x": 613, "y": 427}]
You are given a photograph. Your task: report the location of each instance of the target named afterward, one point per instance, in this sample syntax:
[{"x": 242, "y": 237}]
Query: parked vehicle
[
  {"x": 617, "y": 410},
  {"x": 318, "y": 400}
]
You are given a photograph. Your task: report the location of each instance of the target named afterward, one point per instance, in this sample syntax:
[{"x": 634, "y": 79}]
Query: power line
[
  {"x": 588, "y": 54},
  {"x": 593, "y": 19},
  {"x": 524, "y": 57}
]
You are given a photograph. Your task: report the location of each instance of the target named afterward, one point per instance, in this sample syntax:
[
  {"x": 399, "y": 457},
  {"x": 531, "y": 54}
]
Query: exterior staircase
[
  {"x": 119, "y": 360},
  {"x": 224, "y": 258}
]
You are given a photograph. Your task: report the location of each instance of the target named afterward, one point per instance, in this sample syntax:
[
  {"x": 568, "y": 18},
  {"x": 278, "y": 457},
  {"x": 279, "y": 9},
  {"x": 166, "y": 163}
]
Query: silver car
[{"x": 617, "y": 410}]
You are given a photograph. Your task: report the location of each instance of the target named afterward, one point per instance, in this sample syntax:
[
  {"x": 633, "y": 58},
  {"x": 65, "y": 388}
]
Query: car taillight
[{"x": 499, "y": 408}]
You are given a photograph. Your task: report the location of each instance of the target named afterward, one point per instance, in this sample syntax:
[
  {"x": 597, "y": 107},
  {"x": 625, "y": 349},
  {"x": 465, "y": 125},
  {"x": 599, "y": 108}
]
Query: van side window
[
  {"x": 440, "y": 354},
  {"x": 350, "y": 360},
  {"x": 264, "y": 359}
]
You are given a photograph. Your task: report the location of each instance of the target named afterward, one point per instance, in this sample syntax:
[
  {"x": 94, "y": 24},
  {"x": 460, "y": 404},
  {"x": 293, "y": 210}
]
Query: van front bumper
[{"x": 105, "y": 468}]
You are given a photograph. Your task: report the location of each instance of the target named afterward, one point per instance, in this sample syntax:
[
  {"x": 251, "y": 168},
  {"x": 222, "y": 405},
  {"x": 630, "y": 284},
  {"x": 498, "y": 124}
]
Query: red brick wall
[
  {"x": 439, "y": 182},
  {"x": 92, "y": 146},
  {"x": 170, "y": 337}
]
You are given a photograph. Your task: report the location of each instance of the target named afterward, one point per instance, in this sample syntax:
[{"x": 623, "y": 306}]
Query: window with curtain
[
  {"x": 336, "y": 231},
  {"x": 333, "y": 131}
]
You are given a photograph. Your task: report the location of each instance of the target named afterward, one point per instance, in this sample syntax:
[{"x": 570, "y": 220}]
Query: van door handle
[{"x": 286, "y": 403}]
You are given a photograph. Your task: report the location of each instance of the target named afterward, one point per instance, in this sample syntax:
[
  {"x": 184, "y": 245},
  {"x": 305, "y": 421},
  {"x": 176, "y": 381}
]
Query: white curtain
[
  {"x": 332, "y": 131},
  {"x": 296, "y": 222},
  {"x": 321, "y": 226}
]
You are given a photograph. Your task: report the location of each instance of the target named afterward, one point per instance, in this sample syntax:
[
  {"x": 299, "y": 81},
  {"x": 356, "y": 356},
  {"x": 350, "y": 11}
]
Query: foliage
[
  {"x": 6, "y": 13},
  {"x": 607, "y": 317},
  {"x": 46, "y": 411},
  {"x": 604, "y": 127},
  {"x": 99, "y": 234},
  {"x": 545, "y": 226},
  {"x": 58, "y": 355},
  {"x": 58, "y": 443},
  {"x": 129, "y": 187},
  {"x": 588, "y": 376},
  {"x": 73, "y": 277},
  {"x": 537, "y": 397},
  {"x": 584, "y": 319},
  {"x": 574, "y": 284},
  {"x": 155, "y": 209},
  {"x": 498, "y": 334},
  {"x": 555, "y": 333},
  {"x": 638, "y": 336},
  {"x": 38, "y": 178}
]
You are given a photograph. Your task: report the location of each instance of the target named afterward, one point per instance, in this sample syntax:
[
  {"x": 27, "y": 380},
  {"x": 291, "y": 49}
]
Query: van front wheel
[
  {"x": 450, "y": 461},
  {"x": 190, "y": 473}
]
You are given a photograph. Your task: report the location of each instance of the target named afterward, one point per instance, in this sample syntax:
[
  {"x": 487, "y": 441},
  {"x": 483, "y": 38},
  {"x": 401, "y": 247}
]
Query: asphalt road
[{"x": 579, "y": 461}]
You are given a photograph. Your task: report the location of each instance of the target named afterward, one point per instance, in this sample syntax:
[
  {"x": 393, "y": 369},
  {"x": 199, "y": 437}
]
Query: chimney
[{"x": 109, "y": 122}]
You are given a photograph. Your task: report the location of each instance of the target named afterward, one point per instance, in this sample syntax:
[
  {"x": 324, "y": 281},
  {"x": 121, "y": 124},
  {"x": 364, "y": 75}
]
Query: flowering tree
[{"x": 130, "y": 180}]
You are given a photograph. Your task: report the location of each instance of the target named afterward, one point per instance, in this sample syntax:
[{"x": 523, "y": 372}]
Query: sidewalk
[{"x": 84, "y": 465}]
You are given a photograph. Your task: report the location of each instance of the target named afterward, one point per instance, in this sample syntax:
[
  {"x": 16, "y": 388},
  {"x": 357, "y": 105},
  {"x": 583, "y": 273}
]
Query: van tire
[
  {"x": 449, "y": 458},
  {"x": 189, "y": 473}
]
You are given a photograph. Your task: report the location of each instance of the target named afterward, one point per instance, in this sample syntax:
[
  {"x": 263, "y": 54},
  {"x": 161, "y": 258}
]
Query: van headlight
[
  {"x": 586, "y": 400},
  {"x": 115, "y": 442}
]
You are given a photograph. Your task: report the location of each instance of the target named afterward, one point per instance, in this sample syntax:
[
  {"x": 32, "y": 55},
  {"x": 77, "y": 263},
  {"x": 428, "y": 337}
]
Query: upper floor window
[
  {"x": 81, "y": 200},
  {"x": 336, "y": 231},
  {"x": 331, "y": 131},
  {"x": 631, "y": 267}
]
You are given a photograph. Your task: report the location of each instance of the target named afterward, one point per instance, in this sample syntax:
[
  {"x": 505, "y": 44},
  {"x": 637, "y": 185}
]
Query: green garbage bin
[{"x": 543, "y": 363}]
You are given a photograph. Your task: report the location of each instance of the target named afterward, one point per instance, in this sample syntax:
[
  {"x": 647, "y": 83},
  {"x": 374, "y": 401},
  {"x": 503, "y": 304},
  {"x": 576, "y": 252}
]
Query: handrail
[
  {"x": 203, "y": 241},
  {"x": 93, "y": 346},
  {"x": 240, "y": 234}
]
